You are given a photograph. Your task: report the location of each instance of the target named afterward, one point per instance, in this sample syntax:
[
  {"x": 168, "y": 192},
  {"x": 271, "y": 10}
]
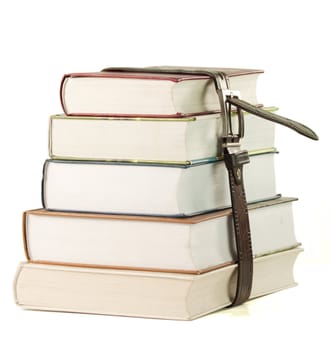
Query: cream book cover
[
  {"x": 162, "y": 94},
  {"x": 145, "y": 294},
  {"x": 151, "y": 189},
  {"x": 191, "y": 245},
  {"x": 168, "y": 140}
]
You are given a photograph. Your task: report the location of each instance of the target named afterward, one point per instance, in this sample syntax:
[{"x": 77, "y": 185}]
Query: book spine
[
  {"x": 43, "y": 202},
  {"x": 61, "y": 93},
  {"x": 24, "y": 228}
]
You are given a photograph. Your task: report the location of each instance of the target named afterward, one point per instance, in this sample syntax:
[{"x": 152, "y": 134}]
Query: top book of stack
[{"x": 150, "y": 94}]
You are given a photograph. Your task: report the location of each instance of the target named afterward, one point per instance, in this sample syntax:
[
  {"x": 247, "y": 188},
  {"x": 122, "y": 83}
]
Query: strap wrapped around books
[
  {"x": 225, "y": 97},
  {"x": 234, "y": 159}
]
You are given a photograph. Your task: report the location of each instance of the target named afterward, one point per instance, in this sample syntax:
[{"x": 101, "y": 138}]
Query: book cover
[
  {"x": 189, "y": 245},
  {"x": 168, "y": 140},
  {"x": 145, "y": 294},
  {"x": 150, "y": 189},
  {"x": 149, "y": 94}
]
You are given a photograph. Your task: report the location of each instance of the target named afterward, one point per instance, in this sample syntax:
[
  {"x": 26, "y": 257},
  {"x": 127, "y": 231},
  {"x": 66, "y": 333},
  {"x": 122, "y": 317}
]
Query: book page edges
[
  {"x": 226, "y": 275},
  {"x": 228, "y": 282}
]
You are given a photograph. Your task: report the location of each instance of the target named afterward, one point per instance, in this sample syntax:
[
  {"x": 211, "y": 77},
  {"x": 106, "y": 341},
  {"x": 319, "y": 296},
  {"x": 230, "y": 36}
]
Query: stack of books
[{"x": 136, "y": 217}]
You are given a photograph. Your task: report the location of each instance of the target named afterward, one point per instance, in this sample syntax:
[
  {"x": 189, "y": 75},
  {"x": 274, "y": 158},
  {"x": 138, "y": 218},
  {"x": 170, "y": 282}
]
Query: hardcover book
[
  {"x": 142, "y": 293},
  {"x": 190, "y": 245},
  {"x": 149, "y": 94},
  {"x": 150, "y": 189},
  {"x": 169, "y": 140}
]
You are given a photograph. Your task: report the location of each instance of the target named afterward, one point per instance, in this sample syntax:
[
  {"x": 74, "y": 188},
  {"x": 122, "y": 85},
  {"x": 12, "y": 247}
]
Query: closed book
[
  {"x": 191, "y": 245},
  {"x": 145, "y": 294},
  {"x": 150, "y": 94},
  {"x": 150, "y": 189},
  {"x": 171, "y": 140}
]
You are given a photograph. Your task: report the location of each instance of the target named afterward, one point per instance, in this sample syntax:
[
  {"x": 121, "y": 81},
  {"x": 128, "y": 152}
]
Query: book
[
  {"x": 149, "y": 94},
  {"x": 191, "y": 245},
  {"x": 170, "y": 140},
  {"x": 150, "y": 189},
  {"x": 145, "y": 294}
]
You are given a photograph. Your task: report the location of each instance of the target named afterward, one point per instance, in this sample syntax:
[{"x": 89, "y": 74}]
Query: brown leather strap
[
  {"x": 221, "y": 81},
  {"x": 234, "y": 160}
]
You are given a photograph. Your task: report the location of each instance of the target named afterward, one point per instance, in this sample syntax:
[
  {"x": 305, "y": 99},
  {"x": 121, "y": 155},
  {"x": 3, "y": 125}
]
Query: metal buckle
[
  {"x": 232, "y": 137},
  {"x": 240, "y": 131}
]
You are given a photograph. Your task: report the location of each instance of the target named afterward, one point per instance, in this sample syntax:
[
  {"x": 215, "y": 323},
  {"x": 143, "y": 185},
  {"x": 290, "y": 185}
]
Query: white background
[{"x": 42, "y": 40}]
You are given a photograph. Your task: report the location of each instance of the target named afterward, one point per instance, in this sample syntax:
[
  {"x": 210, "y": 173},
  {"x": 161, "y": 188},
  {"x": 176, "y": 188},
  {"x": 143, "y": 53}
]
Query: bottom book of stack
[
  {"x": 170, "y": 268},
  {"x": 144, "y": 293}
]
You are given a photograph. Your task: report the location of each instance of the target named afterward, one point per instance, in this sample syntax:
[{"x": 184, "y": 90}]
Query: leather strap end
[{"x": 292, "y": 124}]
